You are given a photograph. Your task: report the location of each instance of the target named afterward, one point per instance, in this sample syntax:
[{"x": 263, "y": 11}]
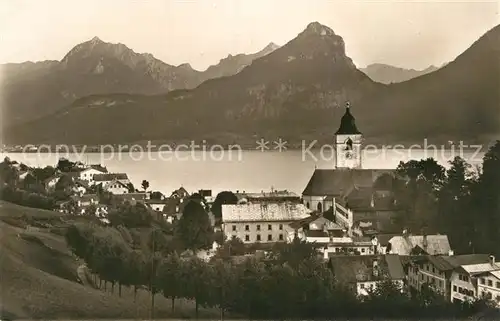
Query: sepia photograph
[{"x": 250, "y": 160}]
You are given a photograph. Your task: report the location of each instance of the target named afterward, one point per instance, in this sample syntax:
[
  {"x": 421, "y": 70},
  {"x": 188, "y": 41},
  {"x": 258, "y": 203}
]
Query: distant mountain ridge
[
  {"x": 97, "y": 67},
  {"x": 387, "y": 74},
  {"x": 294, "y": 93}
]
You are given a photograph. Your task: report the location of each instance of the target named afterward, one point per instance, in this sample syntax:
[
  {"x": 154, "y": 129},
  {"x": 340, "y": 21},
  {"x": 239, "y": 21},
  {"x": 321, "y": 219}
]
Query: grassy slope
[{"x": 38, "y": 280}]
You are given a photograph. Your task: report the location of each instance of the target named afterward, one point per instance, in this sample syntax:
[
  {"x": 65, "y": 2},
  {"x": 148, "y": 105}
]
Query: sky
[{"x": 409, "y": 34}]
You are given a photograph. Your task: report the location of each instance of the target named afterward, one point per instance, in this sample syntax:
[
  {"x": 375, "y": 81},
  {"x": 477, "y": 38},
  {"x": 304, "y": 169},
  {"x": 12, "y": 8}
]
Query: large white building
[{"x": 261, "y": 223}]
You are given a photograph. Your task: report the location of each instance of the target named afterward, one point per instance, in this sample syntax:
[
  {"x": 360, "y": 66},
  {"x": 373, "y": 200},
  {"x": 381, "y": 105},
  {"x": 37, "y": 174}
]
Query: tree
[
  {"x": 223, "y": 285},
  {"x": 197, "y": 281},
  {"x": 157, "y": 195},
  {"x": 145, "y": 185},
  {"x": 131, "y": 188},
  {"x": 130, "y": 216},
  {"x": 455, "y": 205},
  {"x": 294, "y": 253},
  {"x": 135, "y": 264},
  {"x": 9, "y": 175},
  {"x": 65, "y": 165},
  {"x": 231, "y": 247},
  {"x": 169, "y": 278},
  {"x": 194, "y": 229},
  {"x": 422, "y": 182},
  {"x": 158, "y": 241},
  {"x": 486, "y": 203},
  {"x": 225, "y": 197}
]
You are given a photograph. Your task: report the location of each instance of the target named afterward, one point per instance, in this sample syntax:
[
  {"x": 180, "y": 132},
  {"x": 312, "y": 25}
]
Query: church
[{"x": 359, "y": 199}]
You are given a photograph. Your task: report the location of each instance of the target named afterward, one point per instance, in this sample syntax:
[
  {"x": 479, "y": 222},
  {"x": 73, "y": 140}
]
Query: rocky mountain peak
[{"x": 319, "y": 29}]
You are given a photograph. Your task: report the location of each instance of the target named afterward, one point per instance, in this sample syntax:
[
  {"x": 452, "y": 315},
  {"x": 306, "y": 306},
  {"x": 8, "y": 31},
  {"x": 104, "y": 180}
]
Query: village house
[
  {"x": 50, "y": 183},
  {"x": 407, "y": 244},
  {"x": 86, "y": 200},
  {"x": 116, "y": 187},
  {"x": 315, "y": 228},
  {"x": 464, "y": 280},
  {"x": 363, "y": 273},
  {"x": 132, "y": 197},
  {"x": 445, "y": 274},
  {"x": 206, "y": 194},
  {"x": 157, "y": 204},
  {"x": 180, "y": 193},
  {"x": 261, "y": 223},
  {"x": 355, "y": 194},
  {"x": 489, "y": 286},
  {"x": 107, "y": 178},
  {"x": 88, "y": 173}
]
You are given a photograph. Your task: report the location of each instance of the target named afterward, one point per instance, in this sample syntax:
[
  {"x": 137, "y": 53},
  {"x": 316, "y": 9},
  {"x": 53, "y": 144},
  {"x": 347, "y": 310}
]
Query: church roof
[
  {"x": 348, "y": 124},
  {"x": 338, "y": 182}
]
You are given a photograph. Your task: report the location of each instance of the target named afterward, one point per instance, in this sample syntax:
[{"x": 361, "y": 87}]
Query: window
[
  {"x": 454, "y": 288},
  {"x": 498, "y": 285},
  {"x": 234, "y": 228},
  {"x": 320, "y": 207},
  {"x": 481, "y": 280},
  {"x": 307, "y": 205},
  {"x": 281, "y": 237},
  {"x": 281, "y": 227},
  {"x": 363, "y": 250},
  {"x": 247, "y": 228},
  {"x": 258, "y": 237},
  {"x": 362, "y": 285},
  {"x": 490, "y": 283},
  {"x": 258, "y": 227},
  {"x": 269, "y": 227},
  {"x": 247, "y": 238},
  {"x": 269, "y": 237},
  {"x": 433, "y": 270}
]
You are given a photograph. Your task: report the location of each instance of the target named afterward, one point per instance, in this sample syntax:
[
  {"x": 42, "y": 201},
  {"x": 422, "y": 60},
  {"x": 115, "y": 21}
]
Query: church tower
[{"x": 348, "y": 141}]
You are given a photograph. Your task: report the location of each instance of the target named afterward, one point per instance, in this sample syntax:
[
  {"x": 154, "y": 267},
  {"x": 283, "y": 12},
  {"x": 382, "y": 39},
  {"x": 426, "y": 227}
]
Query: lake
[{"x": 248, "y": 170}]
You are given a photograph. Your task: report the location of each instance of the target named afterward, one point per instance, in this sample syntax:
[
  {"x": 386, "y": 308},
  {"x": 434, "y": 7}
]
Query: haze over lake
[{"x": 250, "y": 171}]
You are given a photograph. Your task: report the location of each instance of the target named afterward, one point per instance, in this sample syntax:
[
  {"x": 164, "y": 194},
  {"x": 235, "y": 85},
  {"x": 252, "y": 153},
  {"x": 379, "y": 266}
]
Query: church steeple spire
[{"x": 348, "y": 123}]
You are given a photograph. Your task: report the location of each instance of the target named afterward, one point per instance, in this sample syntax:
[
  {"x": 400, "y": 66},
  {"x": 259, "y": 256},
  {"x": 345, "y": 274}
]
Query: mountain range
[
  {"x": 387, "y": 74},
  {"x": 295, "y": 92},
  {"x": 98, "y": 67}
]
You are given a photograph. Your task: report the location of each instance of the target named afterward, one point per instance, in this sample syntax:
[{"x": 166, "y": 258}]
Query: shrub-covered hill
[{"x": 38, "y": 276}]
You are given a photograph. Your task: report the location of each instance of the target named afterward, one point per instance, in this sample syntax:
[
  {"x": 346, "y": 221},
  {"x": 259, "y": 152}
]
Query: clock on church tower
[{"x": 348, "y": 141}]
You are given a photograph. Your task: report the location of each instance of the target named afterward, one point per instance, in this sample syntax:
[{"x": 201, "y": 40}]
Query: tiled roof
[
  {"x": 359, "y": 268},
  {"x": 480, "y": 268},
  {"x": 100, "y": 168},
  {"x": 304, "y": 222},
  {"x": 316, "y": 233},
  {"x": 436, "y": 244},
  {"x": 337, "y": 182},
  {"x": 496, "y": 274},
  {"x": 448, "y": 263},
  {"x": 110, "y": 177},
  {"x": 264, "y": 212}
]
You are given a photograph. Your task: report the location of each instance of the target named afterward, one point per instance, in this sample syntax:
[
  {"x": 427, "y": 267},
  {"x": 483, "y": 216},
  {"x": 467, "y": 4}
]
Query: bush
[
  {"x": 14, "y": 221},
  {"x": 31, "y": 238}
]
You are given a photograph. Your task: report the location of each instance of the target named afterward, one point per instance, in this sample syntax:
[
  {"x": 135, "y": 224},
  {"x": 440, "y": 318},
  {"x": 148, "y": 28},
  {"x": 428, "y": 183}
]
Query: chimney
[
  {"x": 405, "y": 233},
  {"x": 325, "y": 254},
  {"x": 424, "y": 241},
  {"x": 492, "y": 260}
]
